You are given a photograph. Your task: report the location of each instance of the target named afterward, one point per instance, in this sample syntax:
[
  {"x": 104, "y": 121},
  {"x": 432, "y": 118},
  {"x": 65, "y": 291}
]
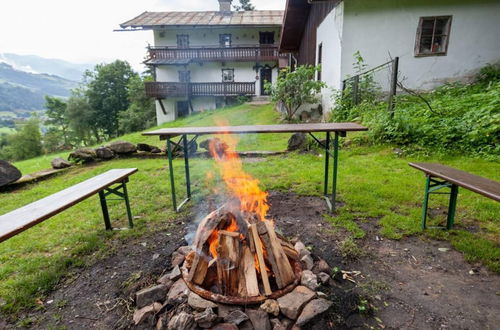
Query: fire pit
[{"x": 237, "y": 256}]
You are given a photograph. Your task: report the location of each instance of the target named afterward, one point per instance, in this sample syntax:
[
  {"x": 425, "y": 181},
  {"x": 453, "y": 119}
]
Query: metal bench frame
[
  {"x": 122, "y": 196},
  {"x": 431, "y": 187}
]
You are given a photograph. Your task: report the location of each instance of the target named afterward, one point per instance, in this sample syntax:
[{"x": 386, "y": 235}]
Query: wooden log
[
  {"x": 286, "y": 271},
  {"x": 201, "y": 268},
  {"x": 290, "y": 252},
  {"x": 260, "y": 258},
  {"x": 228, "y": 254},
  {"x": 266, "y": 242},
  {"x": 249, "y": 273},
  {"x": 251, "y": 241}
]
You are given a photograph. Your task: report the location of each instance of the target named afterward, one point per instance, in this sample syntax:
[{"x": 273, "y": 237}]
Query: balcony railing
[
  {"x": 168, "y": 55},
  {"x": 172, "y": 89}
]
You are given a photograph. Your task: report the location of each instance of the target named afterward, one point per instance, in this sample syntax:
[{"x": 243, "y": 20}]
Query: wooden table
[{"x": 338, "y": 129}]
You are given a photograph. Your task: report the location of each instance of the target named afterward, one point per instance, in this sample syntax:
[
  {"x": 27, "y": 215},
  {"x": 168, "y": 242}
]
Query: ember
[{"x": 237, "y": 255}]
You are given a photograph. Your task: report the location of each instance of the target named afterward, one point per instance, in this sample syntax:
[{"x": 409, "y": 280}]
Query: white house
[
  {"x": 202, "y": 60},
  {"x": 437, "y": 41}
]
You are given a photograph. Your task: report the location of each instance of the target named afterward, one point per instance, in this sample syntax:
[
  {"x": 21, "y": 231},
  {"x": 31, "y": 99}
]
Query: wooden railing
[
  {"x": 172, "y": 89},
  {"x": 161, "y": 55}
]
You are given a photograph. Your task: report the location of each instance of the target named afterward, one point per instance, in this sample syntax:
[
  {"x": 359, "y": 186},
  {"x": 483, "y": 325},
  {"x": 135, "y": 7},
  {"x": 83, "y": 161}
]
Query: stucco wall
[{"x": 380, "y": 29}]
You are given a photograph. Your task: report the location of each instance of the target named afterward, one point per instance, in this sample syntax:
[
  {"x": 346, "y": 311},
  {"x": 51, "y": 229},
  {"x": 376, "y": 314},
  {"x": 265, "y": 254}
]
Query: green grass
[
  {"x": 374, "y": 184},
  {"x": 7, "y": 130}
]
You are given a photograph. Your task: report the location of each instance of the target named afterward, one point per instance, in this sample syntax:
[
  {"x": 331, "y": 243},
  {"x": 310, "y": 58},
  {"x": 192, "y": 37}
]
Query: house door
[
  {"x": 266, "y": 74},
  {"x": 182, "y": 109}
]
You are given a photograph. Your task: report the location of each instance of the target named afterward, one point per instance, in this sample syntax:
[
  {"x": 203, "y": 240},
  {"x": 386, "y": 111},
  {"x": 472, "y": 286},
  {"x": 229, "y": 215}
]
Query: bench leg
[
  {"x": 335, "y": 169},
  {"x": 127, "y": 204},
  {"x": 426, "y": 202},
  {"x": 105, "y": 213},
  {"x": 171, "y": 172},
  {"x": 452, "y": 206},
  {"x": 327, "y": 163}
]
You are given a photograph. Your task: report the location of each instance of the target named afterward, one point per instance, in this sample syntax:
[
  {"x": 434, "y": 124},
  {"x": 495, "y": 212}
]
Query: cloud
[{"x": 82, "y": 31}]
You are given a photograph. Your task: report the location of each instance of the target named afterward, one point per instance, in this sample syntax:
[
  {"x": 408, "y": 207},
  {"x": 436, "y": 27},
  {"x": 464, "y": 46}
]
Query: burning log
[
  {"x": 228, "y": 254},
  {"x": 249, "y": 273},
  {"x": 260, "y": 259}
]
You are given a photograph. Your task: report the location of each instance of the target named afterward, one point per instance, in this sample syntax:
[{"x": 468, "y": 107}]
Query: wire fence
[{"x": 378, "y": 82}]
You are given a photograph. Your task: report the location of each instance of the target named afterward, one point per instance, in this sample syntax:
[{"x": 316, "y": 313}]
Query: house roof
[
  {"x": 294, "y": 23},
  {"x": 151, "y": 20}
]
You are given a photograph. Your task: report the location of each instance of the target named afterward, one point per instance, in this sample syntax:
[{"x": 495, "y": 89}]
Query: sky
[{"x": 81, "y": 31}]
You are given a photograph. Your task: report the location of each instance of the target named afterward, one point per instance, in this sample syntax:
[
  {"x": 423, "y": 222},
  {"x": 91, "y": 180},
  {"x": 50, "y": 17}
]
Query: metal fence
[{"x": 378, "y": 82}]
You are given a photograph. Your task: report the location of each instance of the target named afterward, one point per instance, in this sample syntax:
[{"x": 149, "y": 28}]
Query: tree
[
  {"x": 107, "y": 93},
  {"x": 26, "y": 143},
  {"x": 244, "y": 5},
  {"x": 82, "y": 118},
  {"x": 141, "y": 113},
  {"x": 57, "y": 117},
  {"x": 293, "y": 89}
]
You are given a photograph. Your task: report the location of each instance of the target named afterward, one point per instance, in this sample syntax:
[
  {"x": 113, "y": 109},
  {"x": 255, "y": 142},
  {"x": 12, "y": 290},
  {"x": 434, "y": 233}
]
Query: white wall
[
  {"x": 380, "y": 28},
  {"x": 329, "y": 34}
]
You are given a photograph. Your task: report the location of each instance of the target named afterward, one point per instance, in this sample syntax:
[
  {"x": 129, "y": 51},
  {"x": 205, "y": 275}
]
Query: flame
[
  {"x": 213, "y": 239},
  {"x": 240, "y": 184}
]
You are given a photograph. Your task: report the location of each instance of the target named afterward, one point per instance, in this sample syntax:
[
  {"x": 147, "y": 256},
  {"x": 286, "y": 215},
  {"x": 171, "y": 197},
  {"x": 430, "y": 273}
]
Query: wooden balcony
[
  {"x": 172, "y": 55},
  {"x": 161, "y": 90}
]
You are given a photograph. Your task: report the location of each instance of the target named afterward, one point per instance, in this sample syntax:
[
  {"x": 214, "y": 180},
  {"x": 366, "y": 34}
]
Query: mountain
[
  {"x": 37, "y": 64},
  {"x": 22, "y": 92}
]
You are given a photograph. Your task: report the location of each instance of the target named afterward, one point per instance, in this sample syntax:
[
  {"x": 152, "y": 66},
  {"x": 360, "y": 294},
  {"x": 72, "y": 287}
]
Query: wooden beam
[{"x": 260, "y": 259}]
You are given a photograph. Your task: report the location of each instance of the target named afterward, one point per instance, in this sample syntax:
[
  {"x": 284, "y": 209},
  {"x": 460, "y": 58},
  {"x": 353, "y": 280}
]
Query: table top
[
  {"x": 29, "y": 215},
  {"x": 476, "y": 183},
  {"x": 283, "y": 128}
]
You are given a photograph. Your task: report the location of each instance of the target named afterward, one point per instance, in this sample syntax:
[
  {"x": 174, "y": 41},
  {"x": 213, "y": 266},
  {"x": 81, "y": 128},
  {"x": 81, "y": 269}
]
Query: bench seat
[{"x": 27, "y": 216}]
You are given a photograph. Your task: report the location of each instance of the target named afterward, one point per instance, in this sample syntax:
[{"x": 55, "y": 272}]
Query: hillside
[{"x": 21, "y": 91}]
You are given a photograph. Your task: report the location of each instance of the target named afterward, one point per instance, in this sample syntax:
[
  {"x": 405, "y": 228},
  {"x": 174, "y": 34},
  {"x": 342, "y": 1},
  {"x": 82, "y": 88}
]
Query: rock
[
  {"x": 321, "y": 266},
  {"x": 162, "y": 322},
  {"x": 236, "y": 317},
  {"x": 307, "y": 262},
  {"x": 301, "y": 249},
  {"x": 324, "y": 278},
  {"x": 165, "y": 281},
  {"x": 8, "y": 173},
  {"x": 145, "y": 147},
  {"x": 177, "y": 259},
  {"x": 286, "y": 324},
  {"x": 199, "y": 303},
  {"x": 82, "y": 155},
  {"x": 184, "y": 250},
  {"x": 313, "y": 309},
  {"x": 271, "y": 306},
  {"x": 225, "y": 326},
  {"x": 178, "y": 292},
  {"x": 398, "y": 152},
  {"x": 321, "y": 294},
  {"x": 104, "y": 153},
  {"x": 142, "y": 314},
  {"x": 155, "y": 150},
  {"x": 309, "y": 279},
  {"x": 225, "y": 310},
  {"x": 182, "y": 321},
  {"x": 276, "y": 324},
  {"x": 259, "y": 319},
  {"x": 297, "y": 141},
  {"x": 246, "y": 325},
  {"x": 206, "y": 318},
  {"x": 122, "y": 147},
  {"x": 59, "y": 162},
  {"x": 175, "y": 273},
  {"x": 150, "y": 295},
  {"x": 291, "y": 304}
]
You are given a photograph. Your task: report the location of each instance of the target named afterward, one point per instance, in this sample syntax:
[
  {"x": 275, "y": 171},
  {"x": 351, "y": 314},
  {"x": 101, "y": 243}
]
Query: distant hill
[
  {"x": 22, "y": 92},
  {"x": 37, "y": 64}
]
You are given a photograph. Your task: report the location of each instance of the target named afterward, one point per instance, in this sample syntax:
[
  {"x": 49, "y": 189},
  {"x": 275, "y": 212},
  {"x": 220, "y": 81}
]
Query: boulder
[
  {"x": 198, "y": 303},
  {"x": 271, "y": 306},
  {"x": 309, "y": 279},
  {"x": 8, "y": 173},
  {"x": 182, "y": 321},
  {"x": 236, "y": 317},
  {"x": 205, "y": 319},
  {"x": 219, "y": 146},
  {"x": 144, "y": 147},
  {"x": 178, "y": 292},
  {"x": 301, "y": 249},
  {"x": 225, "y": 310},
  {"x": 307, "y": 262},
  {"x": 259, "y": 319},
  {"x": 184, "y": 250},
  {"x": 177, "y": 259},
  {"x": 140, "y": 315},
  {"x": 104, "y": 153},
  {"x": 150, "y": 295},
  {"x": 313, "y": 309},
  {"x": 324, "y": 278},
  {"x": 175, "y": 274},
  {"x": 297, "y": 141},
  {"x": 58, "y": 163},
  {"x": 82, "y": 155},
  {"x": 321, "y": 266},
  {"x": 122, "y": 147},
  {"x": 225, "y": 326},
  {"x": 291, "y": 304},
  {"x": 165, "y": 281},
  {"x": 155, "y": 150}
]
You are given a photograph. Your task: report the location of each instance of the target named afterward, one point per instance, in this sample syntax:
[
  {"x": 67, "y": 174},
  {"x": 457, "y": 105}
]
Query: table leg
[
  {"x": 327, "y": 163},
  {"x": 127, "y": 205},
  {"x": 335, "y": 169},
  {"x": 171, "y": 172},
  {"x": 452, "y": 207},
  {"x": 186, "y": 165}
]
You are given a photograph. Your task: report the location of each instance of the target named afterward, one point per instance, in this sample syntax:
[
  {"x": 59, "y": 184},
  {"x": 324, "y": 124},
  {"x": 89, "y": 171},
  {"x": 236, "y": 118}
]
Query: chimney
[{"x": 225, "y": 5}]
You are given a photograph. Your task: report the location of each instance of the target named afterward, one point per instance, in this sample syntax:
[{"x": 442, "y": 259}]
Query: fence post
[
  {"x": 355, "y": 88},
  {"x": 394, "y": 85}
]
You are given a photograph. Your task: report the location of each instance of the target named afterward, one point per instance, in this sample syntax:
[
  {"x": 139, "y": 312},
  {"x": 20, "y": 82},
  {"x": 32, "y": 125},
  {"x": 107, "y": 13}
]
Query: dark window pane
[
  {"x": 182, "y": 40},
  {"x": 442, "y": 26},
  {"x": 225, "y": 40},
  {"x": 227, "y": 75},
  {"x": 437, "y": 47},
  {"x": 425, "y": 45},
  {"x": 427, "y": 27}
]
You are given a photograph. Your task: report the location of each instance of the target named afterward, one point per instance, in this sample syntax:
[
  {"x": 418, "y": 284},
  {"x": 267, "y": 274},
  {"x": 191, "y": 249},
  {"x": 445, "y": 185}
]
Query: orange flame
[{"x": 241, "y": 184}]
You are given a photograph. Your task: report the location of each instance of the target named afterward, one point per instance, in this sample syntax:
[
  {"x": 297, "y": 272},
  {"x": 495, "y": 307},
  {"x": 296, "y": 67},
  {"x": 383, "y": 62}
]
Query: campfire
[{"x": 237, "y": 256}]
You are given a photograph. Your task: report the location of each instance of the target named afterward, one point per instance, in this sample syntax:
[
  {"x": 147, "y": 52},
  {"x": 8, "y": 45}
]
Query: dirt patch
[{"x": 411, "y": 283}]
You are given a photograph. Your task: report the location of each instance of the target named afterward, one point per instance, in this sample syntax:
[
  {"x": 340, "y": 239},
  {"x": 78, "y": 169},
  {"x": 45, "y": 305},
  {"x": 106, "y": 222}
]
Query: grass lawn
[{"x": 374, "y": 185}]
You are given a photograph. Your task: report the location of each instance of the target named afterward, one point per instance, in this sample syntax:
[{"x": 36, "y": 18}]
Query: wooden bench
[
  {"x": 25, "y": 217},
  {"x": 439, "y": 176}
]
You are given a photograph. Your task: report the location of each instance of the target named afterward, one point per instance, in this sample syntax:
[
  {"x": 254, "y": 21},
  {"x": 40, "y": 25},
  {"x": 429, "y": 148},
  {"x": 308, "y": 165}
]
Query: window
[
  {"x": 183, "y": 40},
  {"x": 320, "y": 55},
  {"x": 432, "y": 36},
  {"x": 225, "y": 40},
  {"x": 266, "y": 38},
  {"x": 227, "y": 75},
  {"x": 184, "y": 76}
]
